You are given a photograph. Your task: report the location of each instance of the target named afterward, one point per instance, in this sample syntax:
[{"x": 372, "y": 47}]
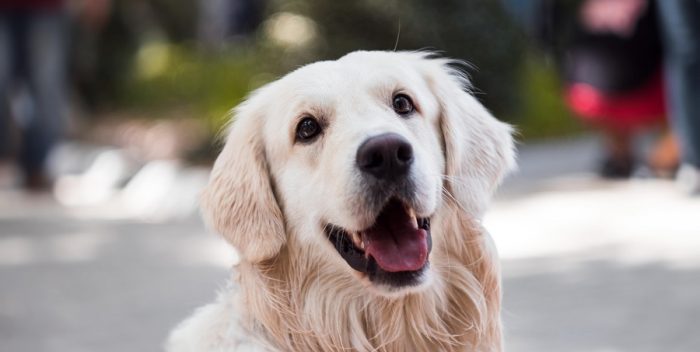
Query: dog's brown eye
[
  {"x": 307, "y": 129},
  {"x": 403, "y": 104}
]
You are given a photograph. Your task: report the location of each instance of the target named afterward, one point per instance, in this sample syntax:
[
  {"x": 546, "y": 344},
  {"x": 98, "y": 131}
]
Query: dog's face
[
  {"x": 356, "y": 155},
  {"x": 354, "y": 158}
]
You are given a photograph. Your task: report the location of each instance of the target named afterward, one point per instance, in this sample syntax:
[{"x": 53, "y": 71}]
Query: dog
[{"x": 353, "y": 191}]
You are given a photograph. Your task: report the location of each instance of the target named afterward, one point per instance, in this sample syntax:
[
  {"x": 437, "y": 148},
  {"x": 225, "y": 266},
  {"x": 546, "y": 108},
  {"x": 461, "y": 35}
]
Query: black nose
[{"x": 385, "y": 156}]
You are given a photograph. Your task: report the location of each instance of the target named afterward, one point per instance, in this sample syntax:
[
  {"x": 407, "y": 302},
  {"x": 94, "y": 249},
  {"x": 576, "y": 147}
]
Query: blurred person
[
  {"x": 680, "y": 23},
  {"x": 611, "y": 58},
  {"x": 33, "y": 57},
  {"x": 614, "y": 79}
]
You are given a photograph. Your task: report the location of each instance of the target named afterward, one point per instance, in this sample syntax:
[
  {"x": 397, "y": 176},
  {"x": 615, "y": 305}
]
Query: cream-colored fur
[{"x": 269, "y": 198}]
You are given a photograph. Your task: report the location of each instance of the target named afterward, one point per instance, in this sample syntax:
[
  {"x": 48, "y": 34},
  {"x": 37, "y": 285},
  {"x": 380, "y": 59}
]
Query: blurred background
[{"x": 111, "y": 113}]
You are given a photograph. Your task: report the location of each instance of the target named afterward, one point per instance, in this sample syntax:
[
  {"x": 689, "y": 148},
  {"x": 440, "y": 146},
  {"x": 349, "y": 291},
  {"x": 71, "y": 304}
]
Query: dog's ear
[
  {"x": 479, "y": 149},
  {"x": 239, "y": 202}
]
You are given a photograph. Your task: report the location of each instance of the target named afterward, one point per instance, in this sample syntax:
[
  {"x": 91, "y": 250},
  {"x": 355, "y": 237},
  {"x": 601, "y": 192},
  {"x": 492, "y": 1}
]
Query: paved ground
[{"x": 588, "y": 265}]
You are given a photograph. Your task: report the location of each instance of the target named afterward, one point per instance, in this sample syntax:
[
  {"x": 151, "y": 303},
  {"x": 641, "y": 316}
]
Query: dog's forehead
[
  {"x": 351, "y": 83},
  {"x": 350, "y": 74}
]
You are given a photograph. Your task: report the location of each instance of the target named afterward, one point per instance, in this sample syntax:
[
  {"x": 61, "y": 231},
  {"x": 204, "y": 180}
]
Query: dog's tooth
[
  {"x": 356, "y": 239},
  {"x": 412, "y": 214}
]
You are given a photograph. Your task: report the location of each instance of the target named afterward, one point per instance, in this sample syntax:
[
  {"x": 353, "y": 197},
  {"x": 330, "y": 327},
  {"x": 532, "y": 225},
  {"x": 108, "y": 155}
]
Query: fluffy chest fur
[{"x": 303, "y": 306}]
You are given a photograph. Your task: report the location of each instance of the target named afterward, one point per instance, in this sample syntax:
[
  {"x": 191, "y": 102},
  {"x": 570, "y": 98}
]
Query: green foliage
[
  {"x": 205, "y": 85},
  {"x": 172, "y": 76},
  {"x": 477, "y": 31},
  {"x": 543, "y": 110}
]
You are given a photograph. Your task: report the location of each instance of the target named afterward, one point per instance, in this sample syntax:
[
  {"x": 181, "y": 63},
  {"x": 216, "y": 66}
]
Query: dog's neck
[{"x": 301, "y": 305}]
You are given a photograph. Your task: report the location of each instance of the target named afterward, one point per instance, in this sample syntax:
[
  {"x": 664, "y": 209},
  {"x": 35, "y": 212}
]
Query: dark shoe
[{"x": 617, "y": 167}]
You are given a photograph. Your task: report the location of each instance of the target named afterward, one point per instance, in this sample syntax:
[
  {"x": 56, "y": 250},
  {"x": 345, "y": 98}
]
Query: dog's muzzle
[{"x": 393, "y": 251}]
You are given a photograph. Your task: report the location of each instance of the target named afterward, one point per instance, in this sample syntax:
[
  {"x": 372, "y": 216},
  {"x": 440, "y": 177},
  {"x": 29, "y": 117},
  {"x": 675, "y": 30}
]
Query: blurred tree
[
  {"x": 179, "y": 21},
  {"x": 149, "y": 54},
  {"x": 102, "y": 54},
  {"x": 477, "y": 31}
]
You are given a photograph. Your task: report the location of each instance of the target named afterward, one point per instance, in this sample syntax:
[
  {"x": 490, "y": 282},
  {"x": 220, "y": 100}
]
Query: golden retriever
[{"x": 354, "y": 191}]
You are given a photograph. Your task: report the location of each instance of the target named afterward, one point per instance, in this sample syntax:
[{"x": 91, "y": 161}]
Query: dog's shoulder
[{"x": 213, "y": 328}]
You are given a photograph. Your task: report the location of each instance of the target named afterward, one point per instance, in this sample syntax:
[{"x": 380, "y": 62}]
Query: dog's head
[{"x": 354, "y": 158}]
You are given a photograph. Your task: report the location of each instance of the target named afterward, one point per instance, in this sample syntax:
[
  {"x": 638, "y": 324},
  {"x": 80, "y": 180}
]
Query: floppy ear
[
  {"x": 239, "y": 202},
  {"x": 479, "y": 149}
]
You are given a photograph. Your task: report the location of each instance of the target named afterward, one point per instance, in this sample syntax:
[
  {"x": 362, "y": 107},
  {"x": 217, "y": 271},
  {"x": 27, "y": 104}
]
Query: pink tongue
[{"x": 395, "y": 241}]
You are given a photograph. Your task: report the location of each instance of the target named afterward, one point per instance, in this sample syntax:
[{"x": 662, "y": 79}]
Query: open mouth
[{"x": 394, "y": 250}]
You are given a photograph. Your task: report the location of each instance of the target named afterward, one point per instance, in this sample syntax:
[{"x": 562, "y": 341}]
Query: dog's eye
[
  {"x": 403, "y": 104},
  {"x": 307, "y": 129}
]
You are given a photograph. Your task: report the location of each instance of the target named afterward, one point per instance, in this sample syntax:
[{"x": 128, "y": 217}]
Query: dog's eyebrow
[
  {"x": 314, "y": 105},
  {"x": 389, "y": 85},
  {"x": 318, "y": 108}
]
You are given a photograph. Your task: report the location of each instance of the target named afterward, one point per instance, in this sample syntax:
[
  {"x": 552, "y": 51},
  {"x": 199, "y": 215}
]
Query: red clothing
[{"x": 629, "y": 111}]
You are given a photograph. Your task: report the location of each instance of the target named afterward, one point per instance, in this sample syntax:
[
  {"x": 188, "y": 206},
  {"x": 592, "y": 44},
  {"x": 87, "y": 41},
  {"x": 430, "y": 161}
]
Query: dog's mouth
[{"x": 394, "y": 250}]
